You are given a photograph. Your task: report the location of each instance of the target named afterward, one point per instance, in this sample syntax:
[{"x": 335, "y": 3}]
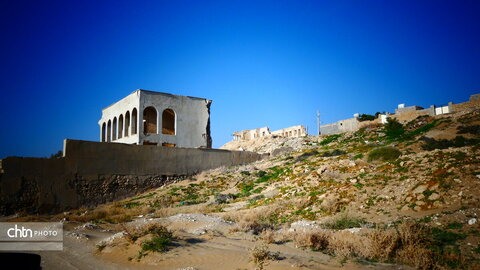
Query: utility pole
[{"x": 318, "y": 122}]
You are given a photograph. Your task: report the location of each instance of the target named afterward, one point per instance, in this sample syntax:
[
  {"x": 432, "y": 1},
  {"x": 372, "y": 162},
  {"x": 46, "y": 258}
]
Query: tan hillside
[{"x": 378, "y": 198}]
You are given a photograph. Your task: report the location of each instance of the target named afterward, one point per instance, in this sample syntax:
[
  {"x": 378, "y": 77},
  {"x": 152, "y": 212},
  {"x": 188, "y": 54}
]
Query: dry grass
[
  {"x": 332, "y": 204},
  {"x": 86, "y": 216},
  {"x": 268, "y": 236},
  {"x": 380, "y": 244},
  {"x": 345, "y": 243},
  {"x": 133, "y": 233},
  {"x": 407, "y": 244},
  {"x": 414, "y": 244},
  {"x": 316, "y": 241},
  {"x": 260, "y": 255},
  {"x": 255, "y": 220},
  {"x": 417, "y": 256},
  {"x": 190, "y": 209}
]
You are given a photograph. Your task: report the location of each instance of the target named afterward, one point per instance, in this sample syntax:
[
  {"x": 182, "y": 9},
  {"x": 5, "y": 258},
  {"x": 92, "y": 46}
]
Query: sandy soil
[{"x": 201, "y": 245}]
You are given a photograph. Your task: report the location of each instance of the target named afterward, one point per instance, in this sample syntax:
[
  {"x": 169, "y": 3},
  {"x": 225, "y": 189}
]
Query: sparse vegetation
[
  {"x": 458, "y": 141},
  {"x": 344, "y": 221},
  {"x": 306, "y": 155},
  {"x": 394, "y": 129},
  {"x": 336, "y": 152},
  {"x": 366, "y": 117},
  {"x": 410, "y": 243},
  {"x": 330, "y": 139},
  {"x": 314, "y": 187},
  {"x": 384, "y": 154},
  {"x": 475, "y": 130},
  {"x": 422, "y": 129},
  {"x": 161, "y": 239},
  {"x": 260, "y": 256}
]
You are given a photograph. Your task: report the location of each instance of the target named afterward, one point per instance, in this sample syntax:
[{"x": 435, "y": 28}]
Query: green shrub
[
  {"x": 344, "y": 222},
  {"x": 442, "y": 238},
  {"x": 330, "y": 139},
  {"x": 157, "y": 244},
  {"x": 160, "y": 242},
  {"x": 454, "y": 225},
  {"x": 475, "y": 130},
  {"x": 459, "y": 141},
  {"x": 394, "y": 129},
  {"x": 422, "y": 129},
  {"x": 384, "y": 153},
  {"x": 260, "y": 173},
  {"x": 306, "y": 155},
  {"x": 245, "y": 173},
  {"x": 334, "y": 153},
  {"x": 366, "y": 117},
  {"x": 274, "y": 174},
  {"x": 358, "y": 156},
  {"x": 131, "y": 205}
]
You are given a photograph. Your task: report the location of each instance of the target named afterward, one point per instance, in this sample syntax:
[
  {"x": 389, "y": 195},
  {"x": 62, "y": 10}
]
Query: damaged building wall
[
  {"x": 156, "y": 118},
  {"x": 251, "y": 134},
  {"x": 295, "y": 131}
]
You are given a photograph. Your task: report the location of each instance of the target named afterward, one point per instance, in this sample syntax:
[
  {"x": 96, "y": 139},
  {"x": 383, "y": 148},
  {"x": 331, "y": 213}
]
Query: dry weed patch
[
  {"x": 260, "y": 256},
  {"x": 410, "y": 243}
]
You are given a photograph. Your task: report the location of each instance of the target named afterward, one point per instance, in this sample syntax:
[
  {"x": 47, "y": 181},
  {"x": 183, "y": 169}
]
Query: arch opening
[
  {"x": 150, "y": 120},
  {"x": 109, "y": 131},
  {"x": 168, "y": 122},
  {"x": 127, "y": 123},
  {"x": 120, "y": 127},
  {"x": 134, "y": 121},
  {"x": 114, "y": 131},
  {"x": 104, "y": 127}
]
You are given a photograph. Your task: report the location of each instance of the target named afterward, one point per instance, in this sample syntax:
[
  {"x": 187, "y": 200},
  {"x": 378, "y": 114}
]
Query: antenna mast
[{"x": 318, "y": 122}]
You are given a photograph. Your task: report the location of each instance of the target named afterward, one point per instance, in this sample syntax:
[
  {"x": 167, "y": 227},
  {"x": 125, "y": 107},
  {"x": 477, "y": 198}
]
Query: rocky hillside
[{"x": 384, "y": 197}]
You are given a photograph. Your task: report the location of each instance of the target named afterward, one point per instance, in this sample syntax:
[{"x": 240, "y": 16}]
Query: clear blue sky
[{"x": 263, "y": 63}]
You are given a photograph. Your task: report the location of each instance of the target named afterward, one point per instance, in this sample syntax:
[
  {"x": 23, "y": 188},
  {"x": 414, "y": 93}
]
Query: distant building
[
  {"x": 402, "y": 114},
  {"x": 156, "y": 118},
  {"x": 251, "y": 134}
]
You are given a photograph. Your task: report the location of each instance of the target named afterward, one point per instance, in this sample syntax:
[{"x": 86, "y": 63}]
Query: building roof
[
  {"x": 164, "y": 93},
  {"x": 155, "y": 93}
]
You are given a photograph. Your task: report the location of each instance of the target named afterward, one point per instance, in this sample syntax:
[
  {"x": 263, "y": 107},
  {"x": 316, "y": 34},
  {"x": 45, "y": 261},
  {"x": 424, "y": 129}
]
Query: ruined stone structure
[
  {"x": 295, "y": 131},
  {"x": 402, "y": 114},
  {"x": 155, "y": 118},
  {"x": 251, "y": 134}
]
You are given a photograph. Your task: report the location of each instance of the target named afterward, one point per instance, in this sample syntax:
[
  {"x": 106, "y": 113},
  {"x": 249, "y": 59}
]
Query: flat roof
[
  {"x": 153, "y": 92},
  {"x": 164, "y": 93}
]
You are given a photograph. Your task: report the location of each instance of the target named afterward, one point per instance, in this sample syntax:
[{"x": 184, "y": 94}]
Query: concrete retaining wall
[
  {"x": 346, "y": 125},
  {"x": 92, "y": 173}
]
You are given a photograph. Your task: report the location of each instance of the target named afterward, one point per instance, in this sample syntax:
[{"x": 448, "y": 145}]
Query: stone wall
[
  {"x": 92, "y": 173},
  {"x": 407, "y": 116},
  {"x": 472, "y": 104}
]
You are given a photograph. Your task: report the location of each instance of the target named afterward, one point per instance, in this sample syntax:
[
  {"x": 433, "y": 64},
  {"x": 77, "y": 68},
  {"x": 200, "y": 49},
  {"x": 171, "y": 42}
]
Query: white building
[{"x": 155, "y": 118}]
